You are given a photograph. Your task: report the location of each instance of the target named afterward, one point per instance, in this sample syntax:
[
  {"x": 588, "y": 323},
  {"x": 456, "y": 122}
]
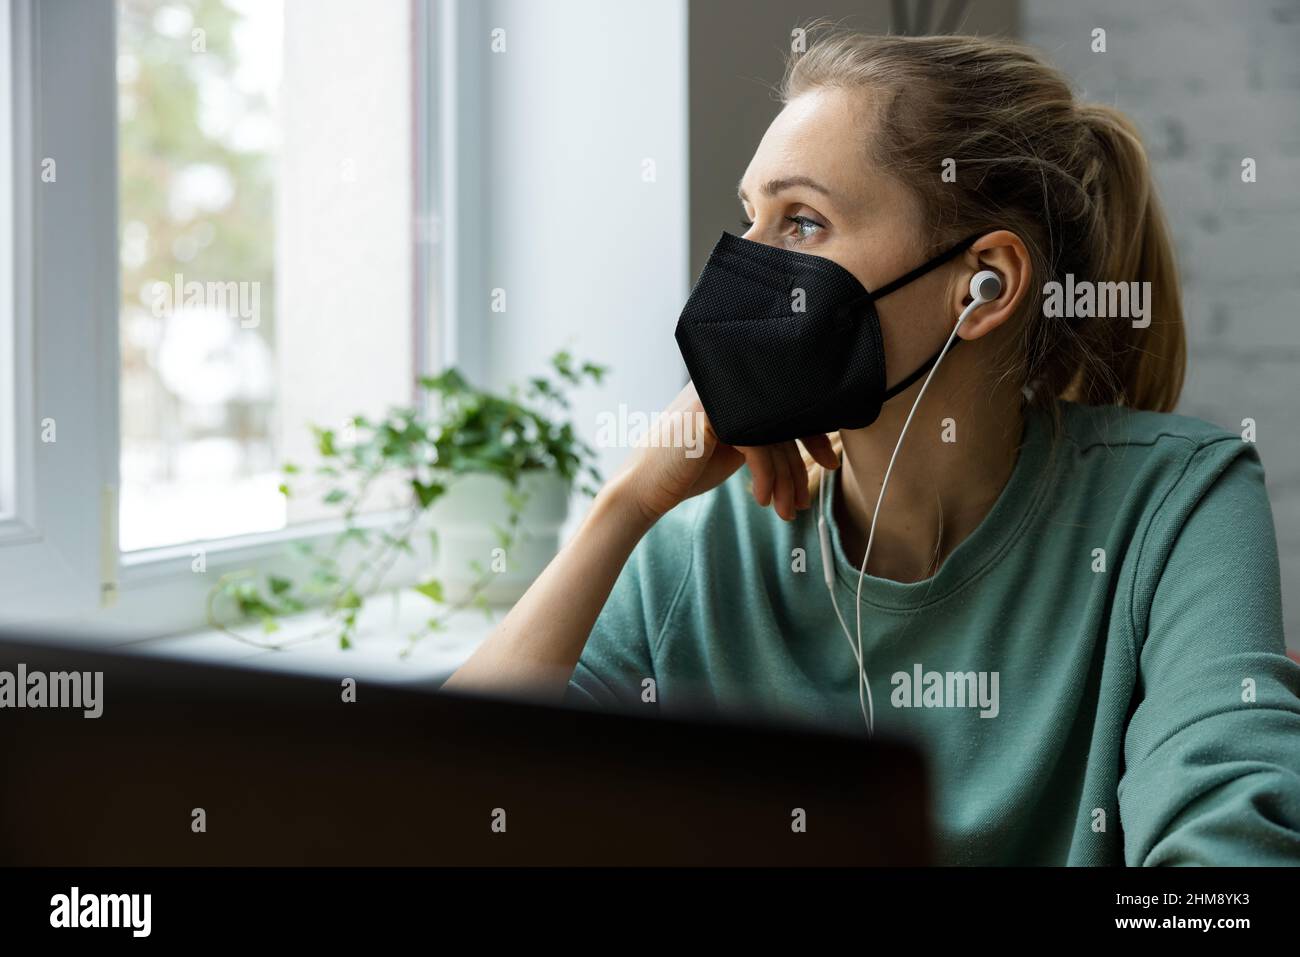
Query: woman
[{"x": 1071, "y": 597}]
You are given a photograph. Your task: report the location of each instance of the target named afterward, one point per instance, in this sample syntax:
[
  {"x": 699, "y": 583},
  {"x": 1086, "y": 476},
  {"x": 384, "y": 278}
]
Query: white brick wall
[{"x": 1210, "y": 83}]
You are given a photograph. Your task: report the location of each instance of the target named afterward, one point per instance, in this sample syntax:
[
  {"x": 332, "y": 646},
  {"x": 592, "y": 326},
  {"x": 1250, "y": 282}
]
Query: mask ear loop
[{"x": 865, "y": 701}]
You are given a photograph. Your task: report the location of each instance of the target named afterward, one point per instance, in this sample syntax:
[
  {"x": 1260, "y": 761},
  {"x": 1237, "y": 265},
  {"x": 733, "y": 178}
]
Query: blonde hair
[{"x": 1070, "y": 178}]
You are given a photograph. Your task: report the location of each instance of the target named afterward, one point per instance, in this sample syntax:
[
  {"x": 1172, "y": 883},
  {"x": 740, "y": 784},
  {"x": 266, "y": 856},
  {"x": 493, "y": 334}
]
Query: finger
[
  {"x": 784, "y": 496},
  {"x": 798, "y": 475},
  {"x": 788, "y": 454},
  {"x": 759, "y": 460},
  {"x": 820, "y": 448}
]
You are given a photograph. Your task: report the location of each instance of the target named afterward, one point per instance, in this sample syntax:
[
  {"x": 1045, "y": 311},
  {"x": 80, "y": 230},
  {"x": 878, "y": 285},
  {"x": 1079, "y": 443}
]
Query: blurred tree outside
[{"x": 197, "y": 153}]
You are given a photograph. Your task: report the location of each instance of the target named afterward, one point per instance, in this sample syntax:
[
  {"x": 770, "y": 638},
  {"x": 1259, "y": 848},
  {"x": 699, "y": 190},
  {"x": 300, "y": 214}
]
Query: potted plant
[{"x": 487, "y": 477}]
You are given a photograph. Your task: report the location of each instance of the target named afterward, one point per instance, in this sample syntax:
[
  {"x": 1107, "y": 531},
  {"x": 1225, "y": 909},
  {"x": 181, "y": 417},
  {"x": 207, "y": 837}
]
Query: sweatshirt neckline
[{"x": 979, "y": 552}]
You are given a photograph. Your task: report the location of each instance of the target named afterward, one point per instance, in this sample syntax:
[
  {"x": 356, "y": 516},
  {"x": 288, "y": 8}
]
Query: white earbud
[{"x": 985, "y": 286}]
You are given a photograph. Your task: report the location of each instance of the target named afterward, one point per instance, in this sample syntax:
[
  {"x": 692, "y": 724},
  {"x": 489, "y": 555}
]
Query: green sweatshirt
[{"x": 1097, "y": 674}]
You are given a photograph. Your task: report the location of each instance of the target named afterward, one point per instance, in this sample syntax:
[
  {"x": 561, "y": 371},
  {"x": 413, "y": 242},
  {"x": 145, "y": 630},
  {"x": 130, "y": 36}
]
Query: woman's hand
[
  {"x": 538, "y": 644},
  {"x": 681, "y": 457}
]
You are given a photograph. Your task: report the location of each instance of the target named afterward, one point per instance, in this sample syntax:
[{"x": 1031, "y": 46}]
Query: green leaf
[
  {"x": 334, "y": 496},
  {"x": 323, "y": 579},
  {"x": 278, "y": 585},
  {"x": 353, "y": 533},
  {"x": 562, "y": 362},
  {"x": 432, "y": 589},
  {"x": 402, "y": 544},
  {"x": 349, "y": 599},
  {"x": 427, "y": 494},
  {"x": 325, "y": 442},
  {"x": 450, "y": 381}
]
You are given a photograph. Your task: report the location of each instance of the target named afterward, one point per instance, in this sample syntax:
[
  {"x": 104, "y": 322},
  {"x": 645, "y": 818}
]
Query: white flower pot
[{"x": 465, "y": 519}]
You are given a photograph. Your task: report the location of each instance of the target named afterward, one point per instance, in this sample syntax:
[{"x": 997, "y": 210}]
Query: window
[
  {"x": 266, "y": 226},
  {"x": 56, "y": 484},
  {"x": 216, "y": 235},
  {"x": 226, "y": 220},
  {"x": 8, "y": 304}
]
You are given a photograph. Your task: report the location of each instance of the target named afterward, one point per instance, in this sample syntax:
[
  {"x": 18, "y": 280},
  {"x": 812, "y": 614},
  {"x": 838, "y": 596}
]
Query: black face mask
[{"x": 783, "y": 344}]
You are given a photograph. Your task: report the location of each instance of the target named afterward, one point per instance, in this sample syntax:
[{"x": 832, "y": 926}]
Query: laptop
[{"x": 189, "y": 763}]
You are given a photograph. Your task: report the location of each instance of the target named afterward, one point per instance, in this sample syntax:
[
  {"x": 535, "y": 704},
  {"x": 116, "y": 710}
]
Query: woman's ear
[{"x": 1004, "y": 253}]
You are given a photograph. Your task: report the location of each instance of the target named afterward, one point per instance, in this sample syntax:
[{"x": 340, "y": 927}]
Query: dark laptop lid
[{"x": 286, "y": 772}]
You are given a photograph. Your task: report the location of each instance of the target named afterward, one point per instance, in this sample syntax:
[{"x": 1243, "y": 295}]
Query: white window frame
[
  {"x": 58, "y": 317},
  {"x": 67, "y": 523}
]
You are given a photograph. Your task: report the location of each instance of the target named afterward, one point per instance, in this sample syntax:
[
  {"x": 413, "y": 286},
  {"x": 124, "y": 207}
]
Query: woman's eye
[{"x": 804, "y": 227}]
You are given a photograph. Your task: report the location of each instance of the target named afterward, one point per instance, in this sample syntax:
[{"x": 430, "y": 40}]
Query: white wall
[
  {"x": 1209, "y": 83},
  {"x": 590, "y": 255}
]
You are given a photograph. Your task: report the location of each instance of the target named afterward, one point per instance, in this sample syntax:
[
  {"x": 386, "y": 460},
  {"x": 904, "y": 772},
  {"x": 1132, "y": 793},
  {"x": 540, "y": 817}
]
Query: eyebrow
[{"x": 774, "y": 186}]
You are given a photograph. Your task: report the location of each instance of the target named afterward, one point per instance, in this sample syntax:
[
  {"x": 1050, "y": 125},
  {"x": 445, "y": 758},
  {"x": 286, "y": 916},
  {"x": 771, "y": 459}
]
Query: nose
[{"x": 755, "y": 234}]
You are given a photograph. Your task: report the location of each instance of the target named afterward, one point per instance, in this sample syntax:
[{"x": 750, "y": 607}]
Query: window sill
[{"x": 375, "y": 655}]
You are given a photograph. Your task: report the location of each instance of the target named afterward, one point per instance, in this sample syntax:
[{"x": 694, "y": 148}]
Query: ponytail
[{"x": 1142, "y": 367}]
